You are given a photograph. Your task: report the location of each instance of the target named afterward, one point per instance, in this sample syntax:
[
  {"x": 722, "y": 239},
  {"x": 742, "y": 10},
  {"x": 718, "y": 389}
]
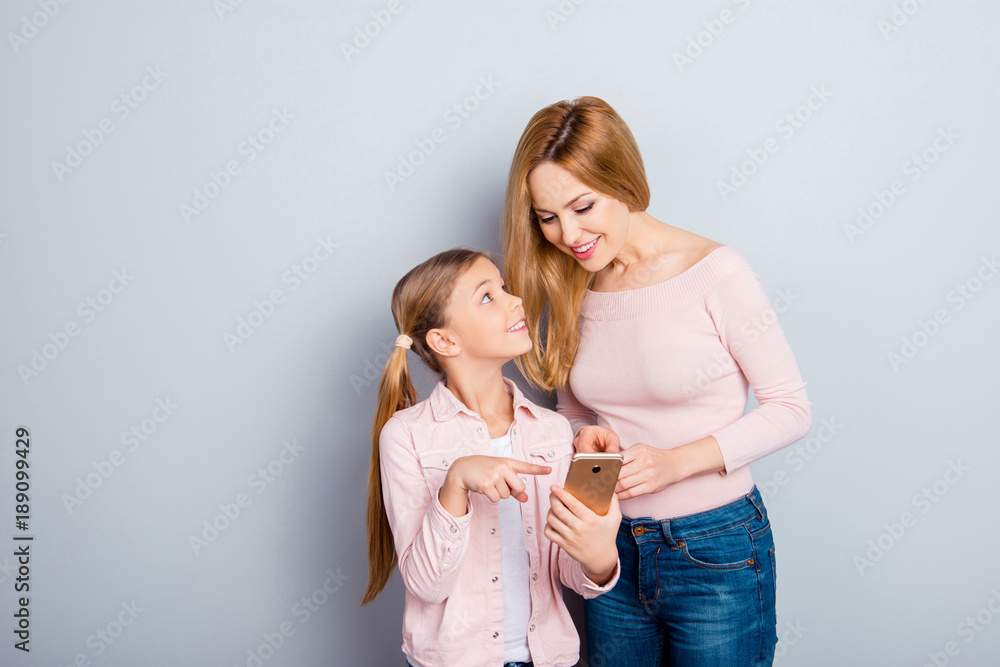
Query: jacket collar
[{"x": 445, "y": 405}]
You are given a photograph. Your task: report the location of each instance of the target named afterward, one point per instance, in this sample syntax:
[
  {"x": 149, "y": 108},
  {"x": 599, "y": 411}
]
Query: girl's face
[
  {"x": 583, "y": 223},
  {"x": 484, "y": 320}
]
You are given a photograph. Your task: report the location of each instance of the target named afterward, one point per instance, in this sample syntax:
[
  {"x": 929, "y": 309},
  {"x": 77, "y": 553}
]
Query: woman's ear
[{"x": 440, "y": 342}]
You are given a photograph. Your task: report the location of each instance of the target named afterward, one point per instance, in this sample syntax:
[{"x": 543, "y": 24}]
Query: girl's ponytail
[{"x": 395, "y": 392}]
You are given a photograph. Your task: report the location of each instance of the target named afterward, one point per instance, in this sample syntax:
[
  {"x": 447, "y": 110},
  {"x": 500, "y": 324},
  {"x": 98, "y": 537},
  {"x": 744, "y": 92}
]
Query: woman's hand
[
  {"x": 649, "y": 469},
  {"x": 646, "y": 470},
  {"x": 587, "y": 537},
  {"x": 493, "y": 476},
  {"x": 592, "y": 439}
]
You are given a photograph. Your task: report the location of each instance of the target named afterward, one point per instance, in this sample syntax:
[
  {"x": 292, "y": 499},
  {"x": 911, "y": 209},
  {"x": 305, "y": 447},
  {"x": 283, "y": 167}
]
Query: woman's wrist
[{"x": 698, "y": 457}]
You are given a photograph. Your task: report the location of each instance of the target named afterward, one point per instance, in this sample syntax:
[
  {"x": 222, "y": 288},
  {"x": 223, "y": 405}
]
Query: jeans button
[{"x": 638, "y": 531}]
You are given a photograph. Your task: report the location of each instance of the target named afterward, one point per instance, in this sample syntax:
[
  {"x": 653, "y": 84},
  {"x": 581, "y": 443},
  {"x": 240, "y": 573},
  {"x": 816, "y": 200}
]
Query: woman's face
[
  {"x": 584, "y": 224},
  {"x": 484, "y": 319}
]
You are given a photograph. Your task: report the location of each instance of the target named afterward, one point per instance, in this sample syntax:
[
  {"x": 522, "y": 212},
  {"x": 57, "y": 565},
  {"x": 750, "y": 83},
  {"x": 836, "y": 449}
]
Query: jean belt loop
[
  {"x": 754, "y": 497},
  {"x": 667, "y": 537}
]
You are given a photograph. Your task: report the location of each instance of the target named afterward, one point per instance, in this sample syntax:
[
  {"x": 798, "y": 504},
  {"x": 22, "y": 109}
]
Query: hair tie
[{"x": 404, "y": 342}]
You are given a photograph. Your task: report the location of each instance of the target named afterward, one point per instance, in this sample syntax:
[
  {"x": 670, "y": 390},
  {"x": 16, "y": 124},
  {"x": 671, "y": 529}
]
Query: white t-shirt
[{"x": 516, "y": 571}]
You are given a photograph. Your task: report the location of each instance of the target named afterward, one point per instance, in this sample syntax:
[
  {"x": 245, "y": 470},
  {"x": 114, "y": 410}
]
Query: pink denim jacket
[{"x": 453, "y": 613}]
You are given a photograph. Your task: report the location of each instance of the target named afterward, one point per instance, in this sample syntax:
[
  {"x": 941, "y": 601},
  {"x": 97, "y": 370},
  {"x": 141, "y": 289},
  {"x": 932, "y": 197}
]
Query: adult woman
[{"x": 654, "y": 335}]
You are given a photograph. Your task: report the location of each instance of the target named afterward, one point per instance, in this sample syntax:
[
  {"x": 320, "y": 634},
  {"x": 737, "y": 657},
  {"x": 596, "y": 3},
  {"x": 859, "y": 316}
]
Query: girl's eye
[
  {"x": 585, "y": 208},
  {"x": 487, "y": 298},
  {"x": 548, "y": 219}
]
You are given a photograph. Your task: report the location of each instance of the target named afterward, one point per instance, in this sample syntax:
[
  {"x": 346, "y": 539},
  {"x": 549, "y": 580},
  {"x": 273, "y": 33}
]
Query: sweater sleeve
[
  {"x": 748, "y": 327},
  {"x": 569, "y": 407},
  {"x": 430, "y": 542}
]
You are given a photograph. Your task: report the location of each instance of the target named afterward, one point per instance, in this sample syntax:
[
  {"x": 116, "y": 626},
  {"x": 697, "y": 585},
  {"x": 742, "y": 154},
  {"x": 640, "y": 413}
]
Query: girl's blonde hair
[
  {"x": 419, "y": 302},
  {"x": 587, "y": 138}
]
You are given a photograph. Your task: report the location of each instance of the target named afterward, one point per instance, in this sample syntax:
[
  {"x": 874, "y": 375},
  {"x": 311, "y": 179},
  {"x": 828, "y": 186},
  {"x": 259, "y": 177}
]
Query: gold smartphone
[{"x": 592, "y": 478}]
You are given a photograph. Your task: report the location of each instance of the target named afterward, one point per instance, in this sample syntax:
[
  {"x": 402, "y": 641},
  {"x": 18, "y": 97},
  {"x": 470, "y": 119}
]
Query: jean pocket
[{"x": 730, "y": 549}]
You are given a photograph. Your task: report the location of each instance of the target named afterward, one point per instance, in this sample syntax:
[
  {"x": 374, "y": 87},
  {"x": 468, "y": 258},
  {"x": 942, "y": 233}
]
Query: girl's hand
[
  {"x": 646, "y": 470},
  {"x": 587, "y": 537},
  {"x": 592, "y": 439},
  {"x": 493, "y": 476}
]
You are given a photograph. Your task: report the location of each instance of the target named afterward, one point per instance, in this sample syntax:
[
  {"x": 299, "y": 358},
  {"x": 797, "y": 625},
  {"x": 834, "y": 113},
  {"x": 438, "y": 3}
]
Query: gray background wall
[{"x": 155, "y": 413}]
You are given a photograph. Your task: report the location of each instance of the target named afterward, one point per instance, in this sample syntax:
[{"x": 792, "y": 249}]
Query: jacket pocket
[
  {"x": 436, "y": 463},
  {"x": 555, "y": 454}
]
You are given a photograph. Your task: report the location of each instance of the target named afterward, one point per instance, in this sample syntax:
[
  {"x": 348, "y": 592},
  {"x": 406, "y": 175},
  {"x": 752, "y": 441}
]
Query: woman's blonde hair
[
  {"x": 419, "y": 302},
  {"x": 589, "y": 139}
]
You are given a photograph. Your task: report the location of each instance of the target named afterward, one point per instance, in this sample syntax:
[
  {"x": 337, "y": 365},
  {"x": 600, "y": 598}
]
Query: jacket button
[
  {"x": 534, "y": 577},
  {"x": 493, "y": 531},
  {"x": 494, "y": 580},
  {"x": 495, "y": 635},
  {"x": 531, "y": 629},
  {"x": 552, "y": 455},
  {"x": 444, "y": 462},
  {"x": 638, "y": 531},
  {"x": 453, "y": 529},
  {"x": 530, "y": 530}
]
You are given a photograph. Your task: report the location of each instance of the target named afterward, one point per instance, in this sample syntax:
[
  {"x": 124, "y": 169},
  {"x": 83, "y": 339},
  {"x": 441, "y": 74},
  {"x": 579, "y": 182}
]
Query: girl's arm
[
  {"x": 430, "y": 542},
  {"x": 588, "y": 555}
]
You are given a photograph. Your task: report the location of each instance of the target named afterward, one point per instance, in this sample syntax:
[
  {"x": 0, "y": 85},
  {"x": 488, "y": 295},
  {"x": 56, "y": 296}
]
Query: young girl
[{"x": 460, "y": 484}]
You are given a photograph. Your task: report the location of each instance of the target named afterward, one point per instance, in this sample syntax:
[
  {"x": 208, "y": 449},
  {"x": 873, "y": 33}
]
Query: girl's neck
[{"x": 486, "y": 395}]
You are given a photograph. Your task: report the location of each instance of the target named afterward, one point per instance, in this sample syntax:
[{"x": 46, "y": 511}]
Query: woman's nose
[{"x": 570, "y": 230}]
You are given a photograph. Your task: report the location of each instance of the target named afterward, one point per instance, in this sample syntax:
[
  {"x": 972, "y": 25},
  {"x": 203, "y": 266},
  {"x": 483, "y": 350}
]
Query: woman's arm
[
  {"x": 648, "y": 469},
  {"x": 749, "y": 329}
]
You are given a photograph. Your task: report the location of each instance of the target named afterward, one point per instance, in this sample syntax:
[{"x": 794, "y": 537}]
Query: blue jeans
[{"x": 695, "y": 591}]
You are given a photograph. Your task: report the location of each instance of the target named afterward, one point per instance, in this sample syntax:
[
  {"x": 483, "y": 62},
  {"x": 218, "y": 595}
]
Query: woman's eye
[
  {"x": 585, "y": 208},
  {"x": 548, "y": 219},
  {"x": 487, "y": 298}
]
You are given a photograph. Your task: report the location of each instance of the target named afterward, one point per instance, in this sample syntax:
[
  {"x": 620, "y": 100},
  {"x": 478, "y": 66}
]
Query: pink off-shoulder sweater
[{"x": 670, "y": 363}]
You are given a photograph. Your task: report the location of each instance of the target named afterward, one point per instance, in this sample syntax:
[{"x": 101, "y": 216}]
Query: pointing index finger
[{"x": 529, "y": 468}]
